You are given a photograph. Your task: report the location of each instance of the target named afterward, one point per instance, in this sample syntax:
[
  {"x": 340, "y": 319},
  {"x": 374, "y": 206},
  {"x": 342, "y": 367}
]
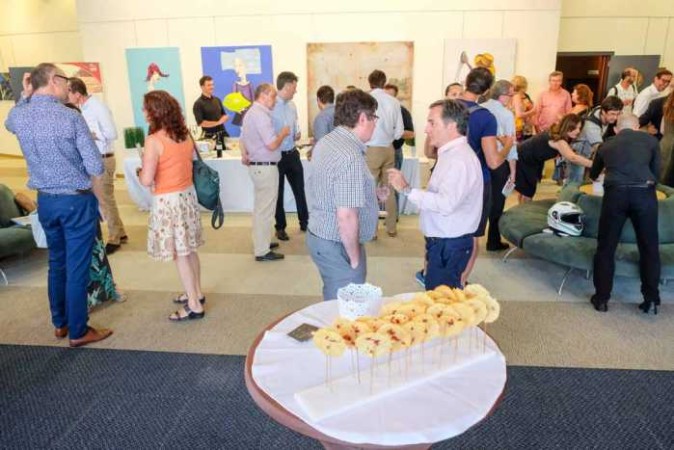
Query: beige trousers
[
  {"x": 379, "y": 160},
  {"x": 115, "y": 225},
  {"x": 265, "y": 181}
]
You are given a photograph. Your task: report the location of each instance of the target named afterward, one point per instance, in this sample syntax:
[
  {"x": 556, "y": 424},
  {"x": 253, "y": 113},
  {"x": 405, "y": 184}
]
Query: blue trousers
[
  {"x": 69, "y": 223},
  {"x": 447, "y": 259}
]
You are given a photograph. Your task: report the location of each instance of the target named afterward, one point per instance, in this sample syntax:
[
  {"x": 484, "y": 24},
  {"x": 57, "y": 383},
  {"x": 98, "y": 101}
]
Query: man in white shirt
[
  {"x": 657, "y": 89},
  {"x": 380, "y": 155},
  {"x": 625, "y": 89},
  {"x": 451, "y": 207},
  {"x": 102, "y": 127},
  {"x": 500, "y": 97}
]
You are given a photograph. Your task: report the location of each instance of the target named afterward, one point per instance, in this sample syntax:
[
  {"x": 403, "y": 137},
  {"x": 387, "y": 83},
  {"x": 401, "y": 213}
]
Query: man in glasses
[
  {"x": 66, "y": 169},
  {"x": 343, "y": 203}
]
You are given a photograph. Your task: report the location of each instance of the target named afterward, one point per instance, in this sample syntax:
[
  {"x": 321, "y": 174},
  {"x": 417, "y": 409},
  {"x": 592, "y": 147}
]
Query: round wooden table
[{"x": 284, "y": 417}]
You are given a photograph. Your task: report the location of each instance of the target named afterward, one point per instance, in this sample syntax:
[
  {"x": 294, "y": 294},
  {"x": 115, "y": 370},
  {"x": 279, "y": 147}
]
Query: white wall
[
  {"x": 31, "y": 32},
  {"x": 625, "y": 27},
  {"x": 108, "y": 28}
]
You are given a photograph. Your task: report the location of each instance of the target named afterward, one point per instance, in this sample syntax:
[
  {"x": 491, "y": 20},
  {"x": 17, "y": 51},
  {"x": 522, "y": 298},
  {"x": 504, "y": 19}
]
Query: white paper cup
[{"x": 358, "y": 300}]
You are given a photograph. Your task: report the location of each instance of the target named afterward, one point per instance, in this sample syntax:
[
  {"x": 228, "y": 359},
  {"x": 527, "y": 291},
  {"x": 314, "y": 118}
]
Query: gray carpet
[{"x": 86, "y": 398}]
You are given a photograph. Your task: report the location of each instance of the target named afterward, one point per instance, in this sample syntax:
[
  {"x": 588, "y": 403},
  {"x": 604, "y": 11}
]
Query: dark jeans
[
  {"x": 641, "y": 206},
  {"x": 499, "y": 177},
  {"x": 447, "y": 259},
  {"x": 290, "y": 166},
  {"x": 70, "y": 223}
]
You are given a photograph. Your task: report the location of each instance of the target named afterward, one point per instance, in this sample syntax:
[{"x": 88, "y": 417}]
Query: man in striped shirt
[{"x": 343, "y": 206}]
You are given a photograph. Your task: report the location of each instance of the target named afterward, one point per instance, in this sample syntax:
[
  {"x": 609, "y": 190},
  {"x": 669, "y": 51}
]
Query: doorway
[{"x": 590, "y": 68}]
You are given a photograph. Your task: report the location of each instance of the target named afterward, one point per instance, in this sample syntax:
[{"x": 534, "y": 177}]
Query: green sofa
[
  {"x": 14, "y": 240},
  {"x": 522, "y": 225}
]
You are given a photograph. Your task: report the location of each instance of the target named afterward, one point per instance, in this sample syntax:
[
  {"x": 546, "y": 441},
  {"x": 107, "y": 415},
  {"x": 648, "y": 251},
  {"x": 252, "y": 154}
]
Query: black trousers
[
  {"x": 290, "y": 166},
  {"x": 499, "y": 177},
  {"x": 641, "y": 206}
]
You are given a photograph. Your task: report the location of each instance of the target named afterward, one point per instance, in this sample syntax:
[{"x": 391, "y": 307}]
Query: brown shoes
[
  {"x": 92, "y": 335},
  {"x": 61, "y": 332}
]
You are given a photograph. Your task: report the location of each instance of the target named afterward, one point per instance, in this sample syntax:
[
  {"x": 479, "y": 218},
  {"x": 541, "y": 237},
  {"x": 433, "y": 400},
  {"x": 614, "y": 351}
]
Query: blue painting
[
  {"x": 153, "y": 69},
  {"x": 236, "y": 72}
]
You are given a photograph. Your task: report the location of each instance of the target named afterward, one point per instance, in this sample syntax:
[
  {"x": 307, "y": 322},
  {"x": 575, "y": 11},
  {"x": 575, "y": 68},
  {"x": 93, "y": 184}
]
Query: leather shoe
[
  {"x": 273, "y": 245},
  {"x": 61, "y": 332},
  {"x": 124, "y": 239},
  {"x": 92, "y": 335},
  {"x": 599, "y": 305},
  {"x": 270, "y": 256},
  {"x": 303, "y": 228},
  {"x": 111, "y": 248},
  {"x": 282, "y": 235}
]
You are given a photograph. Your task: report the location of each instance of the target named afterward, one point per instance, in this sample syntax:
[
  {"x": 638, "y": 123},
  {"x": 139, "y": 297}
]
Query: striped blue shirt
[{"x": 57, "y": 144}]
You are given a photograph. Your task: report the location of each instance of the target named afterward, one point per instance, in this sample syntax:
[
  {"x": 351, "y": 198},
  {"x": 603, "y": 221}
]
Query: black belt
[
  {"x": 75, "y": 192},
  {"x": 262, "y": 163},
  {"x": 288, "y": 152},
  {"x": 433, "y": 239},
  {"x": 645, "y": 185},
  {"x": 107, "y": 155}
]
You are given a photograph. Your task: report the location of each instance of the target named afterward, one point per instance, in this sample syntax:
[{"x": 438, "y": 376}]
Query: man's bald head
[{"x": 627, "y": 122}]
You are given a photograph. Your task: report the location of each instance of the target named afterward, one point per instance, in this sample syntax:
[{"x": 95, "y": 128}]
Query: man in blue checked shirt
[{"x": 65, "y": 167}]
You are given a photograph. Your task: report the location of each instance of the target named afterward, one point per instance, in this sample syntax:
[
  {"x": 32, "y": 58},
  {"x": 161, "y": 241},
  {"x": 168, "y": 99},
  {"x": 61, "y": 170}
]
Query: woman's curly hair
[{"x": 164, "y": 113}]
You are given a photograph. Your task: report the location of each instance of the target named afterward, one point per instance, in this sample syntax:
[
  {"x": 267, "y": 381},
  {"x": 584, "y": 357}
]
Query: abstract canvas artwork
[{"x": 342, "y": 64}]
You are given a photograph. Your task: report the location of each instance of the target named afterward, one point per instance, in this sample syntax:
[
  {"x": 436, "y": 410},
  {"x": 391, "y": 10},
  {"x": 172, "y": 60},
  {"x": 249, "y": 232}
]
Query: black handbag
[{"x": 207, "y": 185}]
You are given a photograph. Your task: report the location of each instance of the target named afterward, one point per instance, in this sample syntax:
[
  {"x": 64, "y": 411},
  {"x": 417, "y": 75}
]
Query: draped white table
[
  {"x": 236, "y": 188},
  {"x": 437, "y": 409}
]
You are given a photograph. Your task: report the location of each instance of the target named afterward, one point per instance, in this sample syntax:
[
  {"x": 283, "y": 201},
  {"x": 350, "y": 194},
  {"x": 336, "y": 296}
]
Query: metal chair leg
[
  {"x": 508, "y": 253},
  {"x": 566, "y": 275},
  {"x": 4, "y": 277}
]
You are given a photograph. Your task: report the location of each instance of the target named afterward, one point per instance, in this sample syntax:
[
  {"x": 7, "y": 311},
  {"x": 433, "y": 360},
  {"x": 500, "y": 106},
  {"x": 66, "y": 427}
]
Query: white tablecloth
[
  {"x": 435, "y": 410},
  {"x": 236, "y": 188}
]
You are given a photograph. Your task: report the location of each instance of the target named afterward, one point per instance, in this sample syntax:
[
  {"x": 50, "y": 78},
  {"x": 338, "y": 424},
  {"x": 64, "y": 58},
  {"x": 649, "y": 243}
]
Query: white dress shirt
[
  {"x": 99, "y": 120},
  {"x": 390, "y": 124},
  {"x": 505, "y": 125},
  {"x": 451, "y": 206},
  {"x": 644, "y": 99}
]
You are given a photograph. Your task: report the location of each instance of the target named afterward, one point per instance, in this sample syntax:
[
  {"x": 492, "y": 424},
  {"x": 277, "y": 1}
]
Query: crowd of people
[{"x": 485, "y": 135}]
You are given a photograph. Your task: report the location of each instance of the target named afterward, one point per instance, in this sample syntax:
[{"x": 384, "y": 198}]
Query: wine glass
[{"x": 382, "y": 191}]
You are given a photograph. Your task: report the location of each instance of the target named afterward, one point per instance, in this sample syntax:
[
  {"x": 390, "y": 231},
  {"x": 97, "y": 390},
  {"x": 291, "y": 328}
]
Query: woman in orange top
[{"x": 175, "y": 230}]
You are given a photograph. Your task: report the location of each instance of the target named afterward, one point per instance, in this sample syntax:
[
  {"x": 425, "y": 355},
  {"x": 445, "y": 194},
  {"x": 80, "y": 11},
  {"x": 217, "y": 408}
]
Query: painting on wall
[
  {"x": 462, "y": 55},
  {"x": 89, "y": 72},
  {"x": 236, "y": 72},
  {"x": 348, "y": 64},
  {"x": 5, "y": 87},
  {"x": 15, "y": 80},
  {"x": 152, "y": 69}
]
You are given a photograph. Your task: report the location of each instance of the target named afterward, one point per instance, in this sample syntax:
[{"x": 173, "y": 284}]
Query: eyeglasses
[
  {"x": 371, "y": 116},
  {"x": 66, "y": 79}
]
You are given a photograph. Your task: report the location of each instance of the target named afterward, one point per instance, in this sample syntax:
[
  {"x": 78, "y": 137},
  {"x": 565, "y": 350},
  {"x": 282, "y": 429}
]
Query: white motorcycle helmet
[{"x": 566, "y": 218}]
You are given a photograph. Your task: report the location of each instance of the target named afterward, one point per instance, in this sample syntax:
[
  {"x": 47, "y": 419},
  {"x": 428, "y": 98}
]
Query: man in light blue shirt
[
  {"x": 103, "y": 130},
  {"x": 65, "y": 168},
  {"x": 380, "y": 155},
  {"x": 324, "y": 121},
  {"x": 500, "y": 97},
  {"x": 284, "y": 114}
]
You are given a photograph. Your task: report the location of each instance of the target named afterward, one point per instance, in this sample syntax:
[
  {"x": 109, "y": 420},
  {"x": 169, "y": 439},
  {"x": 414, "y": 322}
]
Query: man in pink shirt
[{"x": 553, "y": 103}]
